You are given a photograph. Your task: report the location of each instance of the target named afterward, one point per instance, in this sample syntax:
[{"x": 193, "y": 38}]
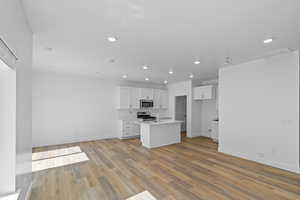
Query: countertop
[{"x": 160, "y": 122}]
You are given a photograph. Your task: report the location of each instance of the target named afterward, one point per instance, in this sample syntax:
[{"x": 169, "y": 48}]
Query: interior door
[{"x": 180, "y": 111}]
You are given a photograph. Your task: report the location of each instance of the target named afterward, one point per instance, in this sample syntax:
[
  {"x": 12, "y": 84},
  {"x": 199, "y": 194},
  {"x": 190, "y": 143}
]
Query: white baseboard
[
  {"x": 206, "y": 134},
  {"x": 194, "y": 134},
  {"x": 260, "y": 160},
  {"x": 128, "y": 137}
]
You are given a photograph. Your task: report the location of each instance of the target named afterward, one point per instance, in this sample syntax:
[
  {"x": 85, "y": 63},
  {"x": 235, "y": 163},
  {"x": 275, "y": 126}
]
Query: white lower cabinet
[
  {"x": 215, "y": 130},
  {"x": 128, "y": 128}
]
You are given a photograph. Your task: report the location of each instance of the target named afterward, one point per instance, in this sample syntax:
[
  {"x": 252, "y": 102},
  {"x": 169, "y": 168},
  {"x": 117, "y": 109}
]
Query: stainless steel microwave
[{"x": 145, "y": 103}]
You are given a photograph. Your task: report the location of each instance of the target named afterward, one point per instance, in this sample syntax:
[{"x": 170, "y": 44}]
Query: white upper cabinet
[
  {"x": 129, "y": 97},
  {"x": 160, "y": 98},
  {"x": 203, "y": 92},
  {"x": 146, "y": 93},
  {"x": 124, "y": 97},
  {"x": 164, "y": 99},
  {"x": 156, "y": 98},
  {"x": 134, "y": 98}
]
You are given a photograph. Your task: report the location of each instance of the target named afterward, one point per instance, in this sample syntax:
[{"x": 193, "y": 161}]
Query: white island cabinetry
[{"x": 156, "y": 134}]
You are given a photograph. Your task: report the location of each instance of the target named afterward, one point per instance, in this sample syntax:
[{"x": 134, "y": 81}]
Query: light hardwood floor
[{"x": 118, "y": 169}]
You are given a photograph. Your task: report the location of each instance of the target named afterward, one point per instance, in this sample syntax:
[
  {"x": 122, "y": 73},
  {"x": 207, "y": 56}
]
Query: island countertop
[{"x": 160, "y": 122}]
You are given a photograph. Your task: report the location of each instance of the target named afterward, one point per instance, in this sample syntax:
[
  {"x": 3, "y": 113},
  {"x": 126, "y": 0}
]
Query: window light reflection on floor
[
  {"x": 57, "y": 158},
  {"x": 143, "y": 196},
  {"x": 55, "y": 153}
]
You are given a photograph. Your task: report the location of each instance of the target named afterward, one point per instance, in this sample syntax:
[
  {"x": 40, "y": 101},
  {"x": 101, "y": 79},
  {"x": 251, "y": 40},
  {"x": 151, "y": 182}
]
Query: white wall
[
  {"x": 17, "y": 34},
  {"x": 70, "y": 108},
  {"x": 7, "y": 129},
  {"x": 259, "y": 110}
]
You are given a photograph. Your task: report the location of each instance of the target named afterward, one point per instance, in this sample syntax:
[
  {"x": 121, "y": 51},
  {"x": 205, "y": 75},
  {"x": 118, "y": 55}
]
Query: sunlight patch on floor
[
  {"x": 60, "y": 161},
  {"x": 55, "y": 153},
  {"x": 143, "y": 196}
]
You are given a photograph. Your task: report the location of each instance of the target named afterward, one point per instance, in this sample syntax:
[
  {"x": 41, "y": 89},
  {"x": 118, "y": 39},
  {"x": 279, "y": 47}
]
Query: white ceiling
[{"x": 163, "y": 34}]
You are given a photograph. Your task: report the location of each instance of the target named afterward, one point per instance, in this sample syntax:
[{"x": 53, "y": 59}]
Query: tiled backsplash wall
[{"x": 131, "y": 114}]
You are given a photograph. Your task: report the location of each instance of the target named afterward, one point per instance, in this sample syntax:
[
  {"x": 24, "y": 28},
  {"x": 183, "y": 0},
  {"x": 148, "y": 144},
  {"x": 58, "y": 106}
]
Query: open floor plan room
[{"x": 149, "y": 100}]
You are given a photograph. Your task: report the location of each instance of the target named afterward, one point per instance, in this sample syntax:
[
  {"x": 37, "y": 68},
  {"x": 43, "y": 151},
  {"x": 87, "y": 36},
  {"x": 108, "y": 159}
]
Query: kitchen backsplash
[{"x": 131, "y": 114}]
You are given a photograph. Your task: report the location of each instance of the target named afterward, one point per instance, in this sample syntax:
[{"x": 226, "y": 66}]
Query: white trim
[
  {"x": 128, "y": 137},
  {"x": 206, "y": 134},
  {"x": 7, "y": 55}
]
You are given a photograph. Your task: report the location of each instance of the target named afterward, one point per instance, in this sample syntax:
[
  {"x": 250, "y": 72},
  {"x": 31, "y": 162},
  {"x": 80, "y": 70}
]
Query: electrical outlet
[{"x": 209, "y": 130}]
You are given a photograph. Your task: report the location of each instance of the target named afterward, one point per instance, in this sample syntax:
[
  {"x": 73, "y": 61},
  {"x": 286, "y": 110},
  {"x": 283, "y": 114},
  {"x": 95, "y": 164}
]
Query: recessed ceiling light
[
  {"x": 147, "y": 79},
  {"x": 112, "y": 39},
  {"x": 197, "y": 62},
  {"x": 145, "y": 67},
  {"x": 124, "y": 76},
  {"x": 171, "y": 72},
  {"x": 165, "y": 82},
  {"x": 112, "y": 60},
  {"x": 191, "y": 75},
  {"x": 269, "y": 40}
]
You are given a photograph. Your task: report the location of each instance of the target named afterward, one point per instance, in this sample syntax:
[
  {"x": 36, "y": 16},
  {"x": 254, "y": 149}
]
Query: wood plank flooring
[{"x": 192, "y": 170}]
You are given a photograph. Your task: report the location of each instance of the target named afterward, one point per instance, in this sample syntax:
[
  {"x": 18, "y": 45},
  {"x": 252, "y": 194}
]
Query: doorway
[{"x": 180, "y": 111}]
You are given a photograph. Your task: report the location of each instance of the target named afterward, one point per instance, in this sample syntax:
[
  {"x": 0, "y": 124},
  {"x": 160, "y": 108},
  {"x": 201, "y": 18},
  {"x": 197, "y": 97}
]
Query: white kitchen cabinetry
[
  {"x": 215, "y": 130},
  {"x": 217, "y": 97},
  {"x": 164, "y": 99},
  {"x": 156, "y": 98},
  {"x": 134, "y": 98},
  {"x": 146, "y": 93},
  {"x": 203, "y": 92},
  {"x": 124, "y": 97},
  {"x": 128, "y": 97},
  {"x": 160, "y": 98},
  {"x": 128, "y": 128}
]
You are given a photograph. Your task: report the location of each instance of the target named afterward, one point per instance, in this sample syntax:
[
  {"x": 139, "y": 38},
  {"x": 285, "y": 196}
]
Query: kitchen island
[{"x": 160, "y": 133}]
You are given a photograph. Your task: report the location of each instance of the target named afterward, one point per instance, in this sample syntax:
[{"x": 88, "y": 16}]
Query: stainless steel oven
[{"x": 145, "y": 103}]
